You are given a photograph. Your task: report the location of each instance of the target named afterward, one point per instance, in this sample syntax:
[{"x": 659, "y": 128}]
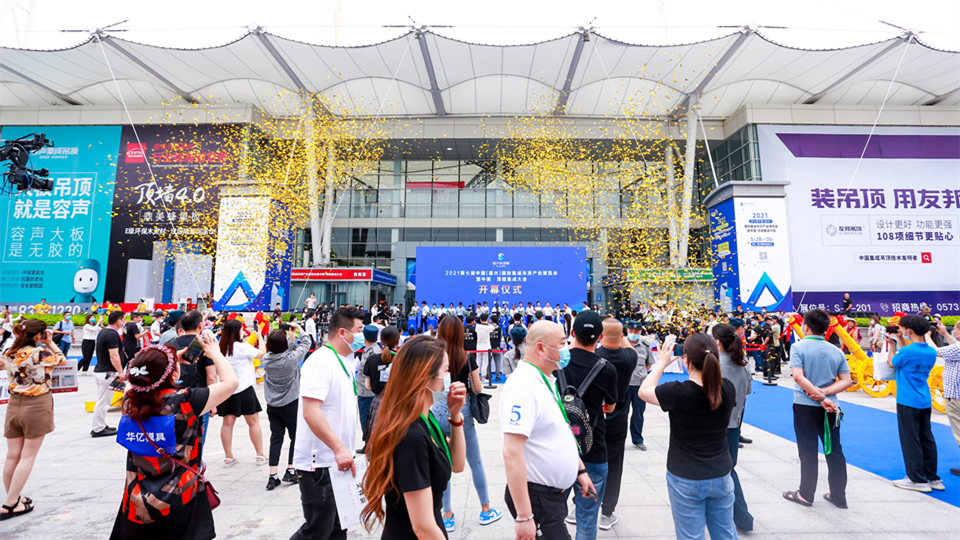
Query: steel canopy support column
[
  {"x": 561, "y": 108},
  {"x": 672, "y": 244},
  {"x": 688, "y": 167},
  {"x": 428, "y": 65},
  {"x": 329, "y": 179},
  {"x": 312, "y": 142}
]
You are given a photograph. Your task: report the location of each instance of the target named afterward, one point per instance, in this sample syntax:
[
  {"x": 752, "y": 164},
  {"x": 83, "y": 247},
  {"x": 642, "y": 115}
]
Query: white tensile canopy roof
[{"x": 422, "y": 74}]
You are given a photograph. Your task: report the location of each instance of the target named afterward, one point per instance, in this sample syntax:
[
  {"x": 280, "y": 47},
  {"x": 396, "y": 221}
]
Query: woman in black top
[
  {"x": 410, "y": 459},
  {"x": 698, "y": 459}
]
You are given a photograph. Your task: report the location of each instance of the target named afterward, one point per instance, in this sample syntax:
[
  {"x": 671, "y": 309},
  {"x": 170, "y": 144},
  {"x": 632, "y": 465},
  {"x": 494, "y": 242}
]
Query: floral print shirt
[{"x": 28, "y": 370}]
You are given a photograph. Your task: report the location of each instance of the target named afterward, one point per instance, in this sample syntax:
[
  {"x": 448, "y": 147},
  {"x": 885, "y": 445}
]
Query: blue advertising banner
[
  {"x": 54, "y": 243},
  {"x": 500, "y": 274},
  {"x": 723, "y": 247}
]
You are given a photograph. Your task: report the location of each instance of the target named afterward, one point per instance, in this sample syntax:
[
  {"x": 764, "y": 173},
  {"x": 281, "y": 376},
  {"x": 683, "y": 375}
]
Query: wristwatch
[{"x": 455, "y": 424}]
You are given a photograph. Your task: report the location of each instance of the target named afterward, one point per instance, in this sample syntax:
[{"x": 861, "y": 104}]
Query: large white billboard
[{"x": 885, "y": 228}]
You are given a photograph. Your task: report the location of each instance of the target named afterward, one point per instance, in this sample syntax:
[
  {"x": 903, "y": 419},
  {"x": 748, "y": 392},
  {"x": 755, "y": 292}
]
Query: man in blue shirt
[
  {"x": 913, "y": 363},
  {"x": 65, "y": 329},
  {"x": 816, "y": 366}
]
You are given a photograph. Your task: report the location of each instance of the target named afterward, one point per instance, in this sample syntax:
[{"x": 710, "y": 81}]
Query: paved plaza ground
[{"x": 77, "y": 486}]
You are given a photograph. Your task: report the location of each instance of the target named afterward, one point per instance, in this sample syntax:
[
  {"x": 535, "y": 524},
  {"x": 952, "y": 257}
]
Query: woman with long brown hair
[
  {"x": 698, "y": 460},
  {"x": 29, "y": 362},
  {"x": 463, "y": 369},
  {"x": 410, "y": 459},
  {"x": 164, "y": 497}
]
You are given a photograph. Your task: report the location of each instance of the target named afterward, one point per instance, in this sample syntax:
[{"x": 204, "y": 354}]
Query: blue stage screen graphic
[{"x": 514, "y": 275}]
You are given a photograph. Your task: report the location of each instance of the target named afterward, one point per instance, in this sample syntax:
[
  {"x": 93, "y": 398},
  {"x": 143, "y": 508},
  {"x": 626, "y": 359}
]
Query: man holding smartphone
[
  {"x": 196, "y": 370},
  {"x": 951, "y": 379}
]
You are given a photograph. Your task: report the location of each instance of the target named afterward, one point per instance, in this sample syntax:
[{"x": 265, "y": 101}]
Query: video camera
[{"x": 18, "y": 151}]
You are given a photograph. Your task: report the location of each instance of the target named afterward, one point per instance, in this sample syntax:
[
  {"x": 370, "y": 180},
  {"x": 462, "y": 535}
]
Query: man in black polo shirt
[
  {"x": 131, "y": 337},
  {"x": 621, "y": 355},
  {"x": 109, "y": 367},
  {"x": 600, "y": 397}
]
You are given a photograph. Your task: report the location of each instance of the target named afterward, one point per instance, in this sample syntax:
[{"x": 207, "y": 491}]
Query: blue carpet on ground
[{"x": 869, "y": 436}]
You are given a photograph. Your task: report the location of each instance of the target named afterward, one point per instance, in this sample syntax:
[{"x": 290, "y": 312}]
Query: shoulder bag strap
[
  {"x": 164, "y": 453},
  {"x": 594, "y": 371},
  {"x": 563, "y": 382}
]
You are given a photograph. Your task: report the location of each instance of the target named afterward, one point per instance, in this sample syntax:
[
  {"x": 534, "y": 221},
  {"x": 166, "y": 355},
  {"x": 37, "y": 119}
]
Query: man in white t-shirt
[
  {"x": 539, "y": 450},
  {"x": 310, "y": 326},
  {"x": 327, "y": 424},
  {"x": 483, "y": 343},
  {"x": 311, "y": 302}
]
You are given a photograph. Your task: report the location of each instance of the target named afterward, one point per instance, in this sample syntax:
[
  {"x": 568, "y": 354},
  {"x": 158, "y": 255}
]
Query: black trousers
[
  {"x": 616, "y": 443},
  {"x": 87, "y": 347},
  {"x": 549, "y": 508},
  {"x": 282, "y": 418},
  {"x": 917, "y": 443},
  {"x": 808, "y": 425},
  {"x": 319, "y": 508}
]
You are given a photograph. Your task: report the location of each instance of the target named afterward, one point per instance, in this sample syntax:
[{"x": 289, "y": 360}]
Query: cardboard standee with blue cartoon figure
[{"x": 85, "y": 281}]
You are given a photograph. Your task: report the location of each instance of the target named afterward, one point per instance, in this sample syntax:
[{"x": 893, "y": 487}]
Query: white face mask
[{"x": 440, "y": 395}]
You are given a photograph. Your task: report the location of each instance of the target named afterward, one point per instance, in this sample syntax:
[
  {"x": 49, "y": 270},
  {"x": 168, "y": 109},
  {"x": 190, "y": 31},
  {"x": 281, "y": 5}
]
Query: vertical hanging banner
[
  {"x": 723, "y": 244},
  {"x": 53, "y": 242},
  {"x": 165, "y": 223},
  {"x": 254, "y": 256},
  {"x": 751, "y": 258}
]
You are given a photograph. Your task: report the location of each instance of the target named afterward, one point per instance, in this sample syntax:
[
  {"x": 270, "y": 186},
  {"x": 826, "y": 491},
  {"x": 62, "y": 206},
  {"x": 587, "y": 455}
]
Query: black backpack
[{"x": 575, "y": 408}]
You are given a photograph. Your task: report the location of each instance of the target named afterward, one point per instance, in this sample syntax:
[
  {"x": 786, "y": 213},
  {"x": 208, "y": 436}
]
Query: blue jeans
[
  {"x": 699, "y": 503},
  {"x": 474, "y": 459},
  {"x": 64, "y": 347},
  {"x": 363, "y": 402},
  {"x": 587, "y": 509},
  {"x": 636, "y": 421},
  {"x": 741, "y": 514}
]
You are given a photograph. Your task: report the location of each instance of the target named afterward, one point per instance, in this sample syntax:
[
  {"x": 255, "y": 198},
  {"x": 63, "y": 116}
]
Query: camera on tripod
[{"x": 18, "y": 151}]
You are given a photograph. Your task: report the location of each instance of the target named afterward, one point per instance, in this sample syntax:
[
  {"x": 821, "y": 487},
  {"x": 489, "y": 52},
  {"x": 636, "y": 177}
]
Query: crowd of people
[{"x": 410, "y": 380}]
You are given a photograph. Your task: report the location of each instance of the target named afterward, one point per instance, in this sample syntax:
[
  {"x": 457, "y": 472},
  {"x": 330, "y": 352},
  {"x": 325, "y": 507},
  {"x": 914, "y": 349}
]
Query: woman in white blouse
[
  {"x": 91, "y": 328},
  {"x": 244, "y": 400}
]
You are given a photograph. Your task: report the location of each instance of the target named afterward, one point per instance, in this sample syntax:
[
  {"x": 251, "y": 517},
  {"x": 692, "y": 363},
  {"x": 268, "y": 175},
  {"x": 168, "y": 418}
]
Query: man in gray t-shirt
[
  {"x": 820, "y": 371},
  {"x": 645, "y": 359}
]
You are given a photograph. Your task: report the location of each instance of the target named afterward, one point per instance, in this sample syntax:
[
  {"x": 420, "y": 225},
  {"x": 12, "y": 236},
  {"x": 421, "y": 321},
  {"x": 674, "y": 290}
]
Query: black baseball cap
[{"x": 588, "y": 325}]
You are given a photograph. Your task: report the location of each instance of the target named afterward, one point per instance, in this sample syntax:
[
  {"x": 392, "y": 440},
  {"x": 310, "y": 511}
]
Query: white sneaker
[
  {"x": 906, "y": 483},
  {"x": 937, "y": 485},
  {"x": 572, "y": 517},
  {"x": 607, "y": 522}
]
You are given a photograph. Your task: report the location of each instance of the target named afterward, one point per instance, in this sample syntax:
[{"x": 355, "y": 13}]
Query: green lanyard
[
  {"x": 345, "y": 372},
  {"x": 554, "y": 391},
  {"x": 434, "y": 428},
  {"x": 827, "y": 444}
]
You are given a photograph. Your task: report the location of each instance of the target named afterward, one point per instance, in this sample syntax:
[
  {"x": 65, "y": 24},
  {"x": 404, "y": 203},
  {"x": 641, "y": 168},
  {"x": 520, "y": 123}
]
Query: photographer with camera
[{"x": 913, "y": 362}]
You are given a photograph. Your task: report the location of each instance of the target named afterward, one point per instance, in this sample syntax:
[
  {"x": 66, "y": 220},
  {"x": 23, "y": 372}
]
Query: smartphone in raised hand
[{"x": 194, "y": 350}]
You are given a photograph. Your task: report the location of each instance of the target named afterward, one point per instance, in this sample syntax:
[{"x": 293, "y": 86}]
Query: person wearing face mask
[
  {"x": 410, "y": 460},
  {"x": 327, "y": 424},
  {"x": 539, "y": 451},
  {"x": 645, "y": 360},
  {"x": 601, "y": 397}
]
